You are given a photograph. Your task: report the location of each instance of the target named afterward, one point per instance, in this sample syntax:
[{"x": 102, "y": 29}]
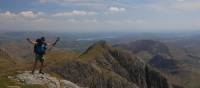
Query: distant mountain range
[{"x": 114, "y": 63}]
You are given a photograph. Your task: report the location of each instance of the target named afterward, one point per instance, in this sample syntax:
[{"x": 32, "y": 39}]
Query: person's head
[
  {"x": 38, "y": 40},
  {"x": 42, "y": 39}
]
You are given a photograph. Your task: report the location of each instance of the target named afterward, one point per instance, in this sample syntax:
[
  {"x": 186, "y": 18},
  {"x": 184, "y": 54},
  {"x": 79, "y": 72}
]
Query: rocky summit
[{"x": 43, "y": 79}]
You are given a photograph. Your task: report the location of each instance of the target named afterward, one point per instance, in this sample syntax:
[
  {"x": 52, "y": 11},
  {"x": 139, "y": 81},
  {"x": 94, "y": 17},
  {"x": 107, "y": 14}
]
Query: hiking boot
[
  {"x": 32, "y": 72},
  {"x": 41, "y": 72}
]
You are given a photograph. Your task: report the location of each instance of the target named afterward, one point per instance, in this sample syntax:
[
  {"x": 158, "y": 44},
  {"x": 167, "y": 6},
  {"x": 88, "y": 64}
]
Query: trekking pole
[{"x": 54, "y": 44}]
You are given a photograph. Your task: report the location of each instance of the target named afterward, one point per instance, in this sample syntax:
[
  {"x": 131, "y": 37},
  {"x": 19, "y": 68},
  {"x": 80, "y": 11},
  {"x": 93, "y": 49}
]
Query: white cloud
[
  {"x": 75, "y": 13},
  {"x": 22, "y": 15},
  {"x": 8, "y": 14},
  {"x": 116, "y": 9},
  {"x": 30, "y": 14}
]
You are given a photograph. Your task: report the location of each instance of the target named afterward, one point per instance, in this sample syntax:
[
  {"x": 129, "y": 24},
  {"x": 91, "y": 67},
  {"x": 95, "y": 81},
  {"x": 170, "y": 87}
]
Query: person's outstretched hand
[
  {"x": 28, "y": 39},
  {"x": 58, "y": 39}
]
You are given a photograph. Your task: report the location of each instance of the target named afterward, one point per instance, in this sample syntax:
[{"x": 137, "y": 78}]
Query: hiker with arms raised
[{"x": 40, "y": 47}]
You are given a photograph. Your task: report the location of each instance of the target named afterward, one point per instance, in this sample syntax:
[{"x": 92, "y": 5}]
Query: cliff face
[{"x": 102, "y": 66}]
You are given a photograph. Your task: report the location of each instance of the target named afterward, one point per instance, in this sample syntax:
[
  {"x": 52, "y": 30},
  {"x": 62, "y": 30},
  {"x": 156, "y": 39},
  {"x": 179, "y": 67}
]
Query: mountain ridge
[{"x": 104, "y": 66}]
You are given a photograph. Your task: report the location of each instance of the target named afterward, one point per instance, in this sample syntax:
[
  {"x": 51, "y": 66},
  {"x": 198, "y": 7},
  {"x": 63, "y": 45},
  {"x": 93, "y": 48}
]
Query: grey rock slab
[{"x": 43, "y": 79}]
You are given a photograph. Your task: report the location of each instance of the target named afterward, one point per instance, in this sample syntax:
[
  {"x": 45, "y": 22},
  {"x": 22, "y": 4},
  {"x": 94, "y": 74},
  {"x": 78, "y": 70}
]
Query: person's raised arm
[
  {"x": 31, "y": 41},
  {"x": 54, "y": 44}
]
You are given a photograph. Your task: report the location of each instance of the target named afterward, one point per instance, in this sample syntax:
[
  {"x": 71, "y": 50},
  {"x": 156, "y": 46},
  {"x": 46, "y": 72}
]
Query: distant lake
[{"x": 96, "y": 38}]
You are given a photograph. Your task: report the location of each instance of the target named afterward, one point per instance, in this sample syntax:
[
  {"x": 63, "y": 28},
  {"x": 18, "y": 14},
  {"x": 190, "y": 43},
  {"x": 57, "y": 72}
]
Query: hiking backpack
[{"x": 40, "y": 48}]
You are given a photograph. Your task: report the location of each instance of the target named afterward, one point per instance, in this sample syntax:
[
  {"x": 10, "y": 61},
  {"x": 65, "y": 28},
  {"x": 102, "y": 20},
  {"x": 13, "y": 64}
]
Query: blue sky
[{"x": 100, "y": 15}]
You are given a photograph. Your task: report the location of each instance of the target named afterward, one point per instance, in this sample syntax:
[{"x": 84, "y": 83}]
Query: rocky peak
[{"x": 98, "y": 46}]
